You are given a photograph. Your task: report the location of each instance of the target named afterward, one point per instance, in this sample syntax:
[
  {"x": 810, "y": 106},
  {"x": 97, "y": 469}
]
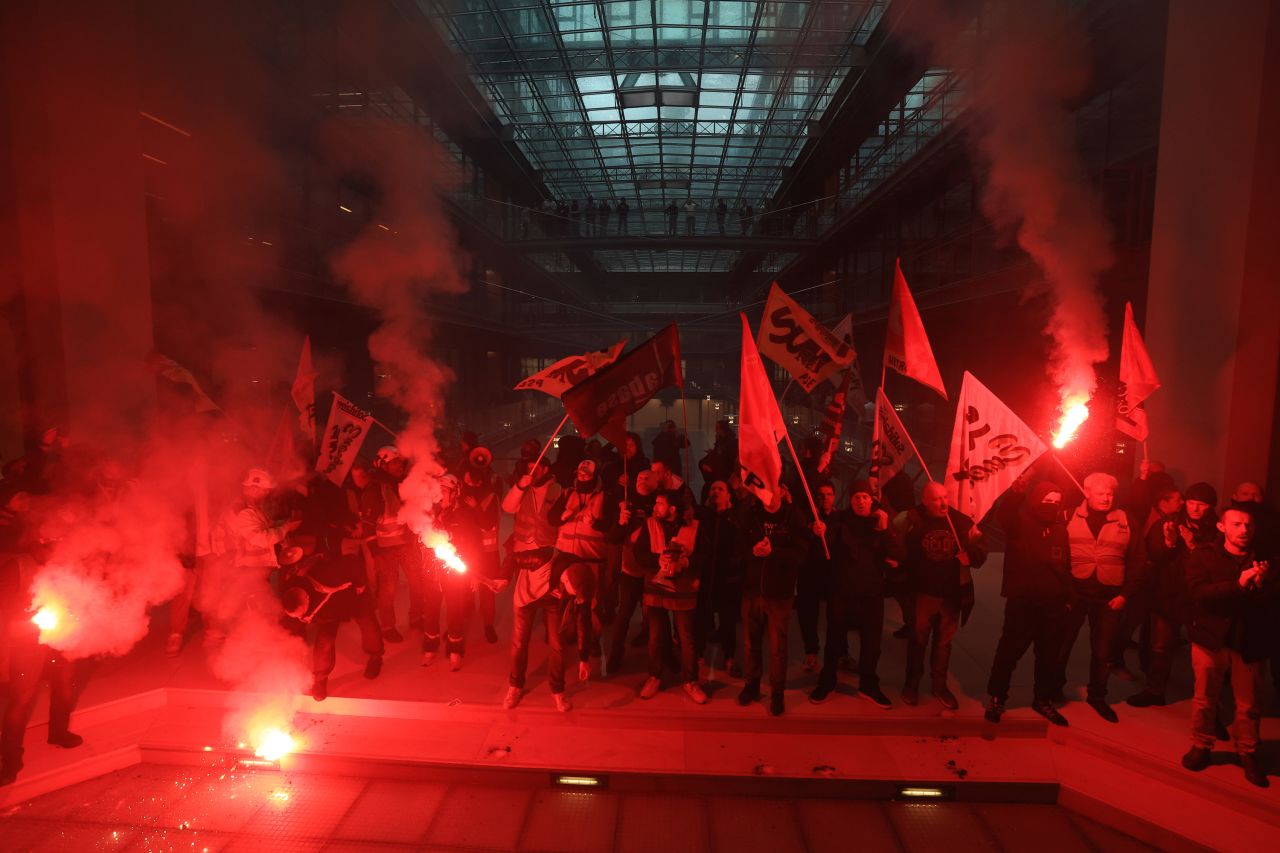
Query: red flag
[
  {"x": 625, "y": 386},
  {"x": 282, "y": 457},
  {"x": 906, "y": 346},
  {"x": 760, "y": 425},
  {"x": 791, "y": 337},
  {"x": 891, "y": 446},
  {"x": 567, "y": 372},
  {"x": 1138, "y": 380},
  {"x": 833, "y": 421},
  {"x": 183, "y": 383},
  {"x": 304, "y": 392}
]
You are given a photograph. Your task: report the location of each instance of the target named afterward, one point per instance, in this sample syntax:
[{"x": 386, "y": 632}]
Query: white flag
[
  {"x": 345, "y": 432},
  {"x": 760, "y": 426},
  {"x": 891, "y": 447},
  {"x": 568, "y": 372},
  {"x": 790, "y": 336},
  {"x": 990, "y": 448}
]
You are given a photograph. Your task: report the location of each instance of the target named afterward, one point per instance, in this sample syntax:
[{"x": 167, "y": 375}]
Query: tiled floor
[{"x": 163, "y": 807}]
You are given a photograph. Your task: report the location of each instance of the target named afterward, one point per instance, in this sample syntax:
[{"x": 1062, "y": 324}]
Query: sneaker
[
  {"x": 66, "y": 740},
  {"x": 650, "y": 688},
  {"x": 776, "y": 703},
  {"x": 320, "y": 689},
  {"x": 821, "y": 693},
  {"x": 455, "y": 661},
  {"x": 1196, "y": 759},
  {"x": 173, "y": 645},
  {"x": 1253, "y": 773},
  {"x": 694, "y": 691},
  {"x": 428, "y": 658},
  {"x": 995, "y": 710},
  {"x": 1050, "y": 713},
  {"x": 875, "y": 696},
  {"x": 911, "y": 694},
  {"x": 391, "y": 635},
  {"x": 373, "y": 666},
  {"x": 750, "y": 693},
  {"x": 810, "y": 663},
  {"x": 584, "y": 671},
  {"x": 490, "y": 634},
  {"x": 1104, "y": 710},
  {"x": 1122, "y": 672},
  {"x": 563, "y": 702},
  {"x": 513, "y": 698},
  {"x": 946, "y": 697},
  {"x": 1145, "y": 700}
]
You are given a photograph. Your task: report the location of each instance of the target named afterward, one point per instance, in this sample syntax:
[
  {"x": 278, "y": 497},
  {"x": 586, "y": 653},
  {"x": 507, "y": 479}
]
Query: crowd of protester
[{"x": 601, "y": 532}]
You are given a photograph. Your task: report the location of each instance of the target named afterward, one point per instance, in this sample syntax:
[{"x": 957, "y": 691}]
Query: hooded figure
[{"x": 1038, "y": 593}]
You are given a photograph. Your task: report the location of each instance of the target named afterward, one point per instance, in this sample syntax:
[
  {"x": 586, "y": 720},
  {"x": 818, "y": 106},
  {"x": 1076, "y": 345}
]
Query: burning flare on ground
[
  {"x": 272, "y": 743},
  {"x": 1074, "y": 413},
  {"x": 446, "y": 553}
]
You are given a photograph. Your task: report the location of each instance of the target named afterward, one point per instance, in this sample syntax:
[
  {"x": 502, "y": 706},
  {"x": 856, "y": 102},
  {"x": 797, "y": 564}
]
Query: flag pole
[
  {"x": 688, "y": 449},
  {"x": 547, "y": 446},
  {"x": 1067, "y": 470},
  {"x": 808, "y": 494},
  {"x": 388, "y": 429}
]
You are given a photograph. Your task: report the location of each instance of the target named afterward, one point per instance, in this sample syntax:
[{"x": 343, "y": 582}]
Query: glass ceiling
[{"x": 658, "y": 100}]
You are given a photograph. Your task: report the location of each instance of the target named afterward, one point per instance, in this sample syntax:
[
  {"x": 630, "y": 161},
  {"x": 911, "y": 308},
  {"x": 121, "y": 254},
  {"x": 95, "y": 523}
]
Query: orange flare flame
[
  {"x": 273, "y": 744},
  {"x": 1074, "y": 414},
  {"x": 446, "y": 553},
  {"x": 46, "y": 619}
]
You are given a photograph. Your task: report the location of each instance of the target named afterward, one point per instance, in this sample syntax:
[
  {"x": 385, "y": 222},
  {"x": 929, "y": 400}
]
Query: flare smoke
[{"x": 1022, "y": 78}]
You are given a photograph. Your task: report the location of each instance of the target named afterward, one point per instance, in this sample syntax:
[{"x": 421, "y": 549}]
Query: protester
[
  {"x": 721, "y": 461},
  {"x": 479, "y": 491},
  {"x": 395, "y": 547},
  {"x": 1178, "y": 529},
  {"x": 1105, "y": 558},
  {"x": 1038, "y": 594},
  {"x": 942, "y": 546},
  {"x": 459, "y": 525},
  {"x": 814, "y": 582},
  {"x": 718, "y": 561},
  {"x": 668, "y": 445},
  {"x": 664, "y": 550},
  {"x": 632, "y": 513},
  {"x": 30, "y": 661},
  {"x": 531, "y": 548},
  {"x": 776, "y": 541},
  {"x": 328, "y": 588},
  {"x": 584, "y": 516},
  {"x": 863, "y": 549},
  {"x": 1233, "y": 601}
]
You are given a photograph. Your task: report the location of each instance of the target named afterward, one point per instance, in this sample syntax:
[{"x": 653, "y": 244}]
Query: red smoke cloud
[
  {"x": 1021, "y": 80},
  {"x": 405, "y": 254}
]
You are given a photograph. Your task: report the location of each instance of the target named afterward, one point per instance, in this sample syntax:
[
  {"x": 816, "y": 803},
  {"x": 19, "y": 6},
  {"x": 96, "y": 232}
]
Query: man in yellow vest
[{"x": 1105, "y": 575}]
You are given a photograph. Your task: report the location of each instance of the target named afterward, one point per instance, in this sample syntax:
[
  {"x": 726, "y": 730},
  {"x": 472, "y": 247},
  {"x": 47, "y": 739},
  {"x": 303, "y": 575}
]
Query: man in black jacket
[
  {"x": 1232, "y": 600},
  {"x": 813, "y": 585},
  {"x": 863, "y": 549},
  {"x": 776, "y": 539},
  {"x": 1037, "y": 591},
  {"x": 1174, "y": 534},
  {"x": 942, "y": 545},
  {"x": 719, "y": 563}
]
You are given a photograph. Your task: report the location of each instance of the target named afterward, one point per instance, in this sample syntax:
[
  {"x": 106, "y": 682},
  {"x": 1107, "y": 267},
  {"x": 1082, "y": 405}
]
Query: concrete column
[
  {"x": 1213, "y": 308},
  {"x": 75, "y": 283}
]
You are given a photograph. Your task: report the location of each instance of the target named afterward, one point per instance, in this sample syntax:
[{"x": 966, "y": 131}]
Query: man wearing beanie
[
  {"x": 1179, "y": 529},
  {"x": 1037, "y": 590},
  {"x": 863, "y": 550}
]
